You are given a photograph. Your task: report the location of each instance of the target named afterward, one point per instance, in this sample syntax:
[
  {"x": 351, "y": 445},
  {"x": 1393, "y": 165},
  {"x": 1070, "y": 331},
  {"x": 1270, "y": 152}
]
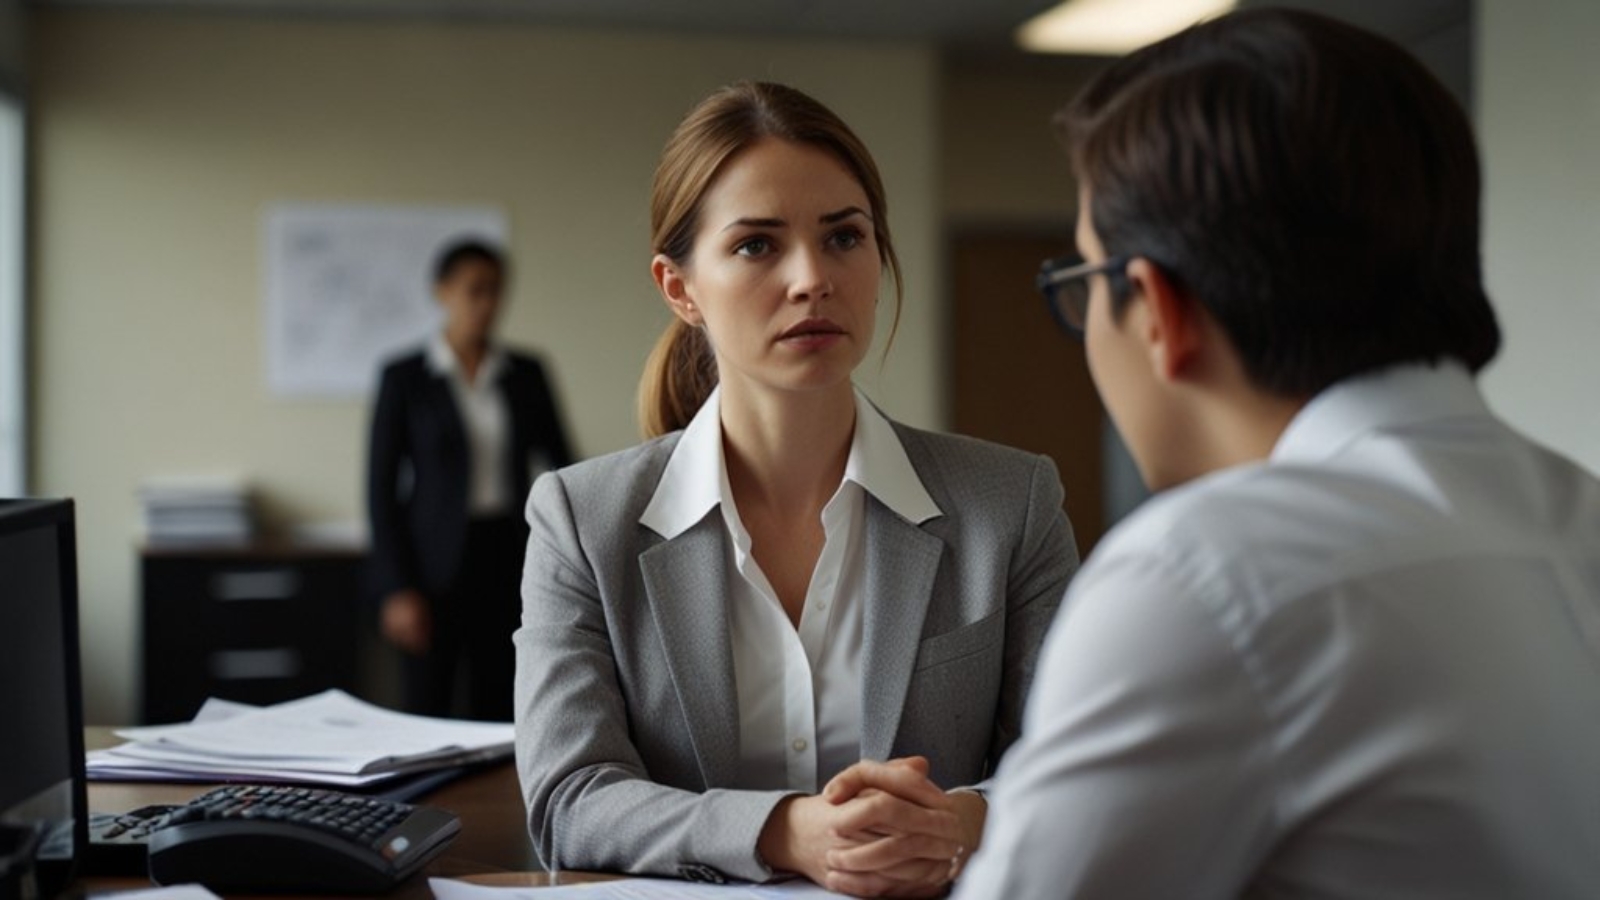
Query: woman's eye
[
  {"x": 846, "y": 238},
  {"x": 756, "y": 246}
]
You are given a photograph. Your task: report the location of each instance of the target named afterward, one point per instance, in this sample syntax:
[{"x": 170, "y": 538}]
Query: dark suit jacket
[{"x": 417, "y": 472}]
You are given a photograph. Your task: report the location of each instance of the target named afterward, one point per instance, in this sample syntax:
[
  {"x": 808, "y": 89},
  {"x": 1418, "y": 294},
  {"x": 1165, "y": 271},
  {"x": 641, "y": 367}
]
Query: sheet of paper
[
  {"x": 327, "y": 732},
  {"x": 330, "y": 739},
  {"x": 215, "y": 709},
  {"x": 633, "y": 889},
  {"x": 173, "y": 753},
  {"x": 107, "y": 765},
  {"x": 161, "y": 756}
]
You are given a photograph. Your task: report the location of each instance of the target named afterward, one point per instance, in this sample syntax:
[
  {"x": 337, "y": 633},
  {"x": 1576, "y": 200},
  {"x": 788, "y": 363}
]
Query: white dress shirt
[
  {"x": 799, "y": 690},
  {"x": 1366, "y": 668},
  {"x": 486, "y": 422}
]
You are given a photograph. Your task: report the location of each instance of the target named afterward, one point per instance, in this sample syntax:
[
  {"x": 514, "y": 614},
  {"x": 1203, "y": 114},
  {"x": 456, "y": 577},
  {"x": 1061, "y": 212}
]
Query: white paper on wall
[{"x": 348, "y": 285}]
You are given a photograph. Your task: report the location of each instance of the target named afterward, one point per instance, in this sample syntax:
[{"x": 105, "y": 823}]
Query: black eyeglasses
[{"x": 1064, "y": 282}]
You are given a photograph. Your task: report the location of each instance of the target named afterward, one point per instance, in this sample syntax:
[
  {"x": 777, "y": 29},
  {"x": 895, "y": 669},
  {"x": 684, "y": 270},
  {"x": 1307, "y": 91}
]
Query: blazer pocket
[{"x": 963, "y": 642}]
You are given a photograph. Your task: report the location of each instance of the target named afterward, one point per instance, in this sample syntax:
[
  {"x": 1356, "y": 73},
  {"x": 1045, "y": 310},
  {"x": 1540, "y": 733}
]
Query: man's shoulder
[
  {"x": 1191, "y": 510},
  {"x": 1280, "y": 530},
  {"x": 1263, "y": 523}
]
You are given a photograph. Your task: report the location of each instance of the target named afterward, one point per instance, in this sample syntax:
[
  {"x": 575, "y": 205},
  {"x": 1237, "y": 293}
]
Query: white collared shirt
[
  {"x": 1367, "y": 668},
  {"x": 485, "y": 420},
  {"x": 799, "y": 690}
]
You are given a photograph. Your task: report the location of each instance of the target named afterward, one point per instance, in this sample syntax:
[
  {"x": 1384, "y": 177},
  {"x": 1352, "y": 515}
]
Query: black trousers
[{"x": 470, "y": 666}]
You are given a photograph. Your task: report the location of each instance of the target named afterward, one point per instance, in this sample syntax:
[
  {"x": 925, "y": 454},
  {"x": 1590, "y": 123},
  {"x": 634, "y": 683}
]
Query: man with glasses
[{"x": 1352, "y": 647}]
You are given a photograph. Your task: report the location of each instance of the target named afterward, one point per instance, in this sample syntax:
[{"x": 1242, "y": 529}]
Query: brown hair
[
  {"x": 682, "y": 371},
  {"x": 1309, "y": 183}
]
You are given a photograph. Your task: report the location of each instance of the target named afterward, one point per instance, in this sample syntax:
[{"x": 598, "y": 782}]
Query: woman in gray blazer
[{"x": 786, "y": 634}]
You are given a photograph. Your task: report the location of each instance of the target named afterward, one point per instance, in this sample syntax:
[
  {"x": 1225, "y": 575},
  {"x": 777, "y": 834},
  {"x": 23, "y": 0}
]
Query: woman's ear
[
  {"x": 674, "y": 289},
  {"x": 1173, "y": 329}
]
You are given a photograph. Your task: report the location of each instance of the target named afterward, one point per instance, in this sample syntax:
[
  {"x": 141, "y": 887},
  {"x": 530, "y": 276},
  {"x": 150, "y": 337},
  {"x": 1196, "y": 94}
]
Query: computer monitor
[{"x": 42, "y": 784}]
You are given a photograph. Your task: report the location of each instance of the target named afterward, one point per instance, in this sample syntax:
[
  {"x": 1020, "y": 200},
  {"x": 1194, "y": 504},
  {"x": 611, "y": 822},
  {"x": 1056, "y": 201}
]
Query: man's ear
[
  {"x": 1174, "y": 330},
  {"x": 674, "y": 290}
]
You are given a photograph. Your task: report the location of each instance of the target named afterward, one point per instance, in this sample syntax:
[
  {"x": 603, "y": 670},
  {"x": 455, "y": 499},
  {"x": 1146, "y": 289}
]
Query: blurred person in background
[{"x": 461, "y": 427}]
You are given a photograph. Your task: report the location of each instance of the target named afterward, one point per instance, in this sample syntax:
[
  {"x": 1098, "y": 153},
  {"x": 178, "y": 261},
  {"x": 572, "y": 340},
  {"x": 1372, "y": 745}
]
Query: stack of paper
[
  {"x": 330, "y": 738},
  {"x": 197, "y": 511}
]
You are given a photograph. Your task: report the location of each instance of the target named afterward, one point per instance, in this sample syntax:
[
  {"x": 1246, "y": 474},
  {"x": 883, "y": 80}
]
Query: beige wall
[
  {"x": 1003, "y": 165},
  {"x": 1538, "y": 89},
  {"x": 161, "y": 138}
]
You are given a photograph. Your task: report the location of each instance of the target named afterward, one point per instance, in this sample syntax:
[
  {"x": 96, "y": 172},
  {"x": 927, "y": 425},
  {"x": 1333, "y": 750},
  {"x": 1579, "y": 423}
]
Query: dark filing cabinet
[{"x": 258, "y": 624}]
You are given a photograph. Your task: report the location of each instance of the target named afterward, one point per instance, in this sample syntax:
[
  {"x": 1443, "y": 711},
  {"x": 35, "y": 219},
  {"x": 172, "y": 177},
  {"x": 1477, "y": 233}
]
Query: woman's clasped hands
[{"x": 878, "y": 829}]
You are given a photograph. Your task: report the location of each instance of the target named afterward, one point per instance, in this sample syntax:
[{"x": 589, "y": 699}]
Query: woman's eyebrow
[
  {"x": 843, "y": 214},
  {"x": 825, "y": 218},
  {"x": 755, "y": 223}
]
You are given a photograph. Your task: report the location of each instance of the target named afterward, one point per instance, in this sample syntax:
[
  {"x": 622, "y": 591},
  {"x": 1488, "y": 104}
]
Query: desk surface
[{"x": 492, "y": 848}]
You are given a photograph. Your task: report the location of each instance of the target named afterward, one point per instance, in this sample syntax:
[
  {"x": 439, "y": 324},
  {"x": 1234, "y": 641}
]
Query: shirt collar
[
  {"x": 442, "y": 361},
  {"x": 691, "y": 484},
  {"x": 878, "y": 463},
  {"x": 695, "y": 479},
  {"x": 1401, "y": 395}
]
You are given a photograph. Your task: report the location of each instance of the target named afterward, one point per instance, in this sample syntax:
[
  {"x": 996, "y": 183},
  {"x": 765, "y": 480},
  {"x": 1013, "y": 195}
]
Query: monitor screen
[{"x": 41, "y": 709}]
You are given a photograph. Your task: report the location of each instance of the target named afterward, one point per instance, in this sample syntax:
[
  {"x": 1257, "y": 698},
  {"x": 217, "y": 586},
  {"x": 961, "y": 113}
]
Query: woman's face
[
  {"x": 784, "y": 270},
  {"x": 470, "y": 296}
]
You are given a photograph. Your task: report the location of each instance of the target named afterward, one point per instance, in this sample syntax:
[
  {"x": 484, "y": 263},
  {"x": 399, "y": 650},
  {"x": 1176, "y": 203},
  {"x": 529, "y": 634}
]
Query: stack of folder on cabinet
[
  {"x": 328, "y": 739},
  {"x": 197, "y": 512}
]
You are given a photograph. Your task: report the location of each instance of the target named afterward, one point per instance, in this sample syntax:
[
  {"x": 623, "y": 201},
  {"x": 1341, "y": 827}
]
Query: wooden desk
[{"x": 492, "y": 848}]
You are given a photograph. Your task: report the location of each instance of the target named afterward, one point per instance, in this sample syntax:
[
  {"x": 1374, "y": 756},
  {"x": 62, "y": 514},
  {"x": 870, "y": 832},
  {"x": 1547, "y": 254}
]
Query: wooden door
[{"x": 1017, "y": 378}]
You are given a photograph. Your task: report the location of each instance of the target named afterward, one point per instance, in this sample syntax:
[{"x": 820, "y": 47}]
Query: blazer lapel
[
  {"x": 903, "y": 565},
  {"x": 687, "y": 587}
]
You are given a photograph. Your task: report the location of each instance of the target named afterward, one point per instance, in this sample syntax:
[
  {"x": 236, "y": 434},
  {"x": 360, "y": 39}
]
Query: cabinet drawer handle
[
  {"x": 267, "y": 584},
  {"x": 242, "y": 665}
]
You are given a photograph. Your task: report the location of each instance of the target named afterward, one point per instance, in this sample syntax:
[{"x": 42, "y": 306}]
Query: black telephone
[{"x": 285, "y": 839}]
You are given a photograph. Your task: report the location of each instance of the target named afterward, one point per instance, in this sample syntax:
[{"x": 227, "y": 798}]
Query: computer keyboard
[{"x": 259, "y": 838}]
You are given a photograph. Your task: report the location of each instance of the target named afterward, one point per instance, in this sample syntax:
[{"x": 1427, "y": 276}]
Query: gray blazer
[{"x": 627, "y": 716}]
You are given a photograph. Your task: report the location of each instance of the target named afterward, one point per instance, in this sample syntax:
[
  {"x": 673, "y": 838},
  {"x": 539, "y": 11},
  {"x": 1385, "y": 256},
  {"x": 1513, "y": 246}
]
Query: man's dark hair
[
  {"x": 470, "y": 250},
  {"x": 1309, "y": 183}
]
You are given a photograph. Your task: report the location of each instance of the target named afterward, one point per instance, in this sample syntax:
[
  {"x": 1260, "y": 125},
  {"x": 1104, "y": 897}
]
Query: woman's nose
[{"x": 808, "y": 276}]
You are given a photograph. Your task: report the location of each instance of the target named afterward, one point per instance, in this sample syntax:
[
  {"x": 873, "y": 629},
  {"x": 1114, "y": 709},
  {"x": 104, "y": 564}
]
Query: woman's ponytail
[{"x": 680, "y": 374}]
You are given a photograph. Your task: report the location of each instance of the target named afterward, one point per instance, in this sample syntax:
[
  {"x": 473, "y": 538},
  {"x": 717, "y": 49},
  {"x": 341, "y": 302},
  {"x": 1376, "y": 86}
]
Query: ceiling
[{"x": 954, "y": 23}]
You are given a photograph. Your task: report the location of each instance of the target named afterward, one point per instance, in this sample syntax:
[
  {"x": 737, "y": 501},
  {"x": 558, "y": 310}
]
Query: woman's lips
[{"x": 812, "y": 331}]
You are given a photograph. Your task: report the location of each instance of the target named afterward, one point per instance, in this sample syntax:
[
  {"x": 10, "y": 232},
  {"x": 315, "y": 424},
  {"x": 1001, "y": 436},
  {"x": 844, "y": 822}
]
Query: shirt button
[{"x": 799, "y": 745}]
